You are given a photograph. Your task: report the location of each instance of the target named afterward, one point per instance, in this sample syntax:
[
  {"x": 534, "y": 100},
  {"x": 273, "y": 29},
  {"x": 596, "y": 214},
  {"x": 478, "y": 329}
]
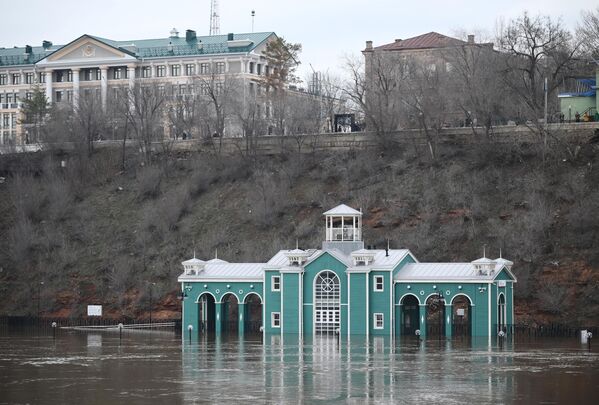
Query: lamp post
[
  {"x": 151, "y": 303},
  {"x": 39, "y": 293}
]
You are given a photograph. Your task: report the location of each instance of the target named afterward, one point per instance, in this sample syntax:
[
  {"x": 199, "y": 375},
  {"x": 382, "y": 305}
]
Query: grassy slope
[{"x": 91, "y": 242}]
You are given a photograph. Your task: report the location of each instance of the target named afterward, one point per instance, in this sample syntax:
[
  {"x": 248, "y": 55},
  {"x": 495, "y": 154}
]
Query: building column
[
  {"x": 218, "y": 318},
  {"x": 448, "y": 320},
  {"x": 131, "y": 76},
  {"x": 241, "y": 318},
  {"x": 104, "y": 85},
  {"x": 49, "y": 85},
  {"x": 75, "y": 87},
  {"x": 422, "y": 320}
]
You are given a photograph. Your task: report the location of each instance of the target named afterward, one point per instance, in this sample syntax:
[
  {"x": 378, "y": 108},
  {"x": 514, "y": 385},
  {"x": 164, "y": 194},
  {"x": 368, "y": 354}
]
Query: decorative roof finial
[
  {"x": 296, "y": 243},
  {"x": 500, "y": 254},
  {"x": 484, "y": 250},
  {"x": 216, "y": 253},
  {"x": 194, "y": 253}
]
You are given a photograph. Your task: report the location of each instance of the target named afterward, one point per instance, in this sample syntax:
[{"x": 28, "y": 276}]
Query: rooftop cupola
[
  {"x": 362, "y": 257},
  {"x": 193, "y": 267},
  {"x": 343, "y": 229},
  {"x": 504, "y": 262},
  {"x": 174, "y": 33},
  {"x": 297, "y": 257},
  {"x": 484, "y": 266}
]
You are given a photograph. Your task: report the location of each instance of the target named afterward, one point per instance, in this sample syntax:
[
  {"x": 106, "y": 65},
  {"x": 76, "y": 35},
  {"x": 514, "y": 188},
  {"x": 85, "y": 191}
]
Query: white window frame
[
  {"x": 275, "y": 319},
  {"x": 374, "y": 319},
  {"x": 272, "y": 283},
  {"x": 376, "y": 283}
]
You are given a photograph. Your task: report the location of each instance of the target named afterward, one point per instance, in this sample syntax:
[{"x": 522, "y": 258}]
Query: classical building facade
[
  {"x": 347, "y": 289},
  {"x": 102, "y": 66}
]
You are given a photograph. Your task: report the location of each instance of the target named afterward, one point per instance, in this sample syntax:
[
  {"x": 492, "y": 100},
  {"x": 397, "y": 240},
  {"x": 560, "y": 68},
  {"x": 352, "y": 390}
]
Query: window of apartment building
[
  {"x": 160, "y": 71},
  {"x": 69, "y": 95},
  {"x": 69, "y": 75},
  {"x": 379, "y": 320},
  {"x": 3, "y": 80},
  {"x": 218, "y": 88},
  {"x": 98, "y": 74},
  {"x": 204, "y": 89},
  {"x": 8, "y": 98},
  {"x": 146, "y": 72},
  {"x": 182, "y": 89},
  {"x": 42, "y": 77},
  {"x": 220, "y": 67},
  {"x": 1, "y": 98},
  {"x": 251, "y": 67},
  {"x": 29, "y": 78},
  {"x": 118, "y": 73},
  {"x": 16, "y": 78},
  {"x": 379, "y": 283},
  {"x": 58, "y": 75},
  {"x": 448, "y": 67},
  {"x": 275, "y": 319},
  {"x": 59, "y": 96},
  {"x": 28, "y": 95},
  {"x": 267, "y": 70},
  {"x": 190, "y": 69},
  {"x": 432, "y": 67},
  {"x": 258, "y": 69},
  {"x": 13, "y": 120},
  {"x": 275, "y": 283},
  {"x": 6, "y": 121},
  {"x": 204, "y": 68},
  {"x": 175, "y": 70}
]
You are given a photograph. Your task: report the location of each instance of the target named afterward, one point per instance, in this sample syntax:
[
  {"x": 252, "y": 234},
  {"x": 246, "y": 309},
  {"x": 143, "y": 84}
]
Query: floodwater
[{"x": 157, "y": 367}]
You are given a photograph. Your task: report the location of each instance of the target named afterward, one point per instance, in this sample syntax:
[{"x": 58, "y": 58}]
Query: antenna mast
[{"x": 214, "y": 18}]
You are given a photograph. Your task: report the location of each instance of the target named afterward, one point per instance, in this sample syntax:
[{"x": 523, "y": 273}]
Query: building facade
[
  {"x": 103, "y": 67},
  {"x": 344, "y": 288}
]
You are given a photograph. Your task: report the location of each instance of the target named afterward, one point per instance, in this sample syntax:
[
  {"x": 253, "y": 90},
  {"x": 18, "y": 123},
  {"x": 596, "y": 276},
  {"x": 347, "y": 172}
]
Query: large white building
[{"x": 102, "y": 66}]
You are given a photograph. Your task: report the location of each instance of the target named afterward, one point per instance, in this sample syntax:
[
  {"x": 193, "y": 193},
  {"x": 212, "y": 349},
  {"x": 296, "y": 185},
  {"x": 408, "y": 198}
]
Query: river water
[{"x": 156, "y": 367}]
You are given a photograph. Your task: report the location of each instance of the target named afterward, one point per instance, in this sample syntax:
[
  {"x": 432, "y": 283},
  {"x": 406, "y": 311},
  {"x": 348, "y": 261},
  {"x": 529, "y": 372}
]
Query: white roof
[
  {"x": 483, "y": 260},
  {"x": 193, "y": 261},
  {"x": 280, "y": 259},
  {"x": 380, "y": 259},
  {"x": 443, "y": 272},
  {"x": 216, "y": 261},
  {"x": 342, "y": 210},
  {"x": 224, "y": 271}
]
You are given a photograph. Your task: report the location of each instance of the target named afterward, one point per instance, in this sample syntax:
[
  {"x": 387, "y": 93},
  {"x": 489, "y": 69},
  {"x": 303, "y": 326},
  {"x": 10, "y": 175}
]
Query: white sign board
[
  {"x": 501, "y": 283},
  {"x": 460, "y": 312},
  {"x": 94, "y": 310}
]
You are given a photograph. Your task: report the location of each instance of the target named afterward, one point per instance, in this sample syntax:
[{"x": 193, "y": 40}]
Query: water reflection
[{"x": 158, "y": 368}]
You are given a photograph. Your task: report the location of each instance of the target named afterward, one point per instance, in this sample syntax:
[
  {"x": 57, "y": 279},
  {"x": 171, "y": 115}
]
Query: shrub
[{"x": 149, "y": 180}]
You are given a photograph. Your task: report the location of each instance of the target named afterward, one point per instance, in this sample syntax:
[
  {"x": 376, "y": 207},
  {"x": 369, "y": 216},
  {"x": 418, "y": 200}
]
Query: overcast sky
[{"x": 327, "y": 29}]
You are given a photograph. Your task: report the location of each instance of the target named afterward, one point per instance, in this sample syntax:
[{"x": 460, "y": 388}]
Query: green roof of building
[{"x": 146, "y": 48}]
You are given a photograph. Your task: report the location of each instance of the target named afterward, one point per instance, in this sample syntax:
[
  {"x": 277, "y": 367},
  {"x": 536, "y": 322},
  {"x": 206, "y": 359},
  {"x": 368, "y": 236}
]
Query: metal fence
[
  {"x": 546, "y": 330},
  {"x": 41, "y": 323}
]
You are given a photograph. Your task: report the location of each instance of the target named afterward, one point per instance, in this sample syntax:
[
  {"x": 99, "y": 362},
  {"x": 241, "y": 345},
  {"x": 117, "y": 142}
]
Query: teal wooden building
[{"x": 347, "y": 289}]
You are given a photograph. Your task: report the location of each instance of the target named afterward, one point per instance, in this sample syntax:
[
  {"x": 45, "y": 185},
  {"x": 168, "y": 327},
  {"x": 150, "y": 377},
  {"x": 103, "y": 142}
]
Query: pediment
[{"x": 86, "y": 49}]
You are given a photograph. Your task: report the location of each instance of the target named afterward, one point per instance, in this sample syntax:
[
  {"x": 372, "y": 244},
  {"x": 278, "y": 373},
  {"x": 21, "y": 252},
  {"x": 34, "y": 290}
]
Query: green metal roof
[{"x": 147, "y": 48}]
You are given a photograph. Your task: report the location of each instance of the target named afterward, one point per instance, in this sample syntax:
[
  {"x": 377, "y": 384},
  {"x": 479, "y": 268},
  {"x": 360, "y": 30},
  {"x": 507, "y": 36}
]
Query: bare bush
[
  {"x": 28, "y": 197},
  {"x": 22, "y": 238},
  {"x": 552, "y": 297},
  {"x": 59, "y": 199},
  {"x": 149, "y": 180}
]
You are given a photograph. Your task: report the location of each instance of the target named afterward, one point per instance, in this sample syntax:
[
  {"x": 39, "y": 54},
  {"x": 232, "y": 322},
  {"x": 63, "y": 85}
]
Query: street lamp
[{"x": 151, "y": 285}]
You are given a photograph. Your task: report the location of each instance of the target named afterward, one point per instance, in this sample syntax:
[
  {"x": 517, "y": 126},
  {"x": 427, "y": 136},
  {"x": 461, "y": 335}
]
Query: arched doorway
[
  {"x": 253, "y": 314},
  {"x": 461, "y": 319},
  {"x": 501, "y": 314},
  {"x": 230, "y": 313},
  {"x": 206, "y": 311},
  {"x": 435, "y": 316},
  {"x": 410, "y": 315},
  {"x": 326, "y": 303}
]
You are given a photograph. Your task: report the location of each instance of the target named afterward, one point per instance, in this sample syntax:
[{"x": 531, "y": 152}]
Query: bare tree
[
  {"x": 588, "y": 33},
  {"x": 90, "y": 120},
  {"x": 146, "y": 114},
  {"x": 539, "y": 48}
]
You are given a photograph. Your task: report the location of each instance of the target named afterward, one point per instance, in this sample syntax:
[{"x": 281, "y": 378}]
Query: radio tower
[{"x": 214, "y": 18}]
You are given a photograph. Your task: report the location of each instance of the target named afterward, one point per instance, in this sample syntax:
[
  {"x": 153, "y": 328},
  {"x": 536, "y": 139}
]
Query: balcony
[{"x": 347, "y": 234}]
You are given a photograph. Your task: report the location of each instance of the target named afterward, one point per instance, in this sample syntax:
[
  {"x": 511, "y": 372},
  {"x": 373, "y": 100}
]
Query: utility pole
[
  {"x": 253, "y": 15},
  {"x": 545, "y": 119}
]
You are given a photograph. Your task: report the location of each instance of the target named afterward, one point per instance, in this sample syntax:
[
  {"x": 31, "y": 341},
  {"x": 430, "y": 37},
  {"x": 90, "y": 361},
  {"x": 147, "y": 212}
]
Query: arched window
[{"x": 326, "y": 303}]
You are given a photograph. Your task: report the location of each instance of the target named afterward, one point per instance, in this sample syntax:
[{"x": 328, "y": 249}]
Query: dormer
[
  {"x": 504, "y": 262},
  {"x": 343, "y": 224},
  {"x": 362, "y": 257},
  {"x": 297, "y": 257},
  {"x": 193, "y": 267},
  {"x": 484, "y": 266}
]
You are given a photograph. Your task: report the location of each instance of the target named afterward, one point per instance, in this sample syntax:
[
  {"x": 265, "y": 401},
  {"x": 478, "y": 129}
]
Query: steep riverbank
[{"x": 94, "y": 233}]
